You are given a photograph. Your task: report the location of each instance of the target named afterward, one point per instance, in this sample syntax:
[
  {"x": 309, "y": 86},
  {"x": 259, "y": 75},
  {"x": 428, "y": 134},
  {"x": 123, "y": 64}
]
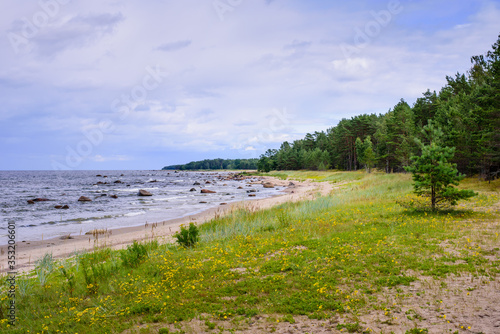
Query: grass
[{"x": 336, "y": 255}]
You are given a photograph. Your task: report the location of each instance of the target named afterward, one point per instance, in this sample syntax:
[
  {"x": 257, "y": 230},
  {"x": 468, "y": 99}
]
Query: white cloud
[{"x": 224, "y": 77}]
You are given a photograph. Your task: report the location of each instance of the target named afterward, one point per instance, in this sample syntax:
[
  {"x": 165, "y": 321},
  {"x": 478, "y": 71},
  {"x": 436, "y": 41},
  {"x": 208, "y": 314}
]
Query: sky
[{"x": 112, "y": 84}]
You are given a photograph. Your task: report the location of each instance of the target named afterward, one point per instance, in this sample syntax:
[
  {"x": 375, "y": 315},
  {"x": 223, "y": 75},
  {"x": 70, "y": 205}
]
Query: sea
[{"x": 172, "y": 198}]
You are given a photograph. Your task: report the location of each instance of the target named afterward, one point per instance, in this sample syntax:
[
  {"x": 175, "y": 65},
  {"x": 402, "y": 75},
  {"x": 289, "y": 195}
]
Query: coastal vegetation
[
  {"x": 216, "y": 164},
  {"x": 467, "y": 109},
  {"x": 351, "y": 261}
]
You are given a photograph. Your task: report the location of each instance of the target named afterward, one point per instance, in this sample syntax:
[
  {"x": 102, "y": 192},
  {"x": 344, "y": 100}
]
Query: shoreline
[{"x": 27, "y": 252}]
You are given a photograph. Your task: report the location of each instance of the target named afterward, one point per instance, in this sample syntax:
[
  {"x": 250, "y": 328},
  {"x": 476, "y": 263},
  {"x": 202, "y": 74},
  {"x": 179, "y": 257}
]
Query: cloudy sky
[{"x": 112, "y": 84}]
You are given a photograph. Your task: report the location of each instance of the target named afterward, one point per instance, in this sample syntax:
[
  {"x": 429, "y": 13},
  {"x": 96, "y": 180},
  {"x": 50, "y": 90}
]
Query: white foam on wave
[
  {"x": 133, "y": 214},
  {"x": 164, "y": 199}
]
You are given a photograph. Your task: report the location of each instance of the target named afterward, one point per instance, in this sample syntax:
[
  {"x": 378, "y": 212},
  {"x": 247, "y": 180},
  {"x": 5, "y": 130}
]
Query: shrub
[
  {"x": 188, "y": 237},
  {"x": 134, "y": 254}
]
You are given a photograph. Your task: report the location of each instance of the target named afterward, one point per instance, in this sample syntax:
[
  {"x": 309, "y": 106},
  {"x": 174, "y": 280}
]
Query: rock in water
[
  {"x": 41, "y": 200},
  {"x": 192, "y": 189},
  {"x": 206, "y": 191},
  {"x": 31, "y": 202},
  {"x": 114, "y": 196},
  {"x": 84, "y": 199},
  {"x": 268, "y": 185},
  {"x": 143, "y": 192}
]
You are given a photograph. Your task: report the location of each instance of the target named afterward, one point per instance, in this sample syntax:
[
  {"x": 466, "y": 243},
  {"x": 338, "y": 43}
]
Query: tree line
[
  {"x": 466, "y": 109},
  {"x": 216, "y": 164}
]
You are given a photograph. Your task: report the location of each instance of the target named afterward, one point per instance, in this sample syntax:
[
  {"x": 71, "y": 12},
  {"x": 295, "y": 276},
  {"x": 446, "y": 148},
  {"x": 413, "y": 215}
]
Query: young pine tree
[
  {"x": 365, "y": 154},
  {"x": 433, "y": 175}
]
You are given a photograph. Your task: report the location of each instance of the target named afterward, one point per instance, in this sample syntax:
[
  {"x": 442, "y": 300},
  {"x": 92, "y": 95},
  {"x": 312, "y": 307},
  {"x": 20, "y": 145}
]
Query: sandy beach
[{"x": 27, "y": 252}]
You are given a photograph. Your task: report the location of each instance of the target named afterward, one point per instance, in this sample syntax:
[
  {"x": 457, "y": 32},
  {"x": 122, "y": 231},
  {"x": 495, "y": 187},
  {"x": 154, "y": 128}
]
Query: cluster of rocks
[
  {"x": 145, "y": 193},
  {"x": 232, "y": 177},
  {"x": 65, "y": 207}
]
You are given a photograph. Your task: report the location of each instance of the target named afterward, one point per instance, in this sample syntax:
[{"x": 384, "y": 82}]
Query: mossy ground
[{"x": 332, "y": 259}]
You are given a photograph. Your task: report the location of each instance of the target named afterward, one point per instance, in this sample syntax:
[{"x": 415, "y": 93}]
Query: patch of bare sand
[{"x": 257, "y": 324}]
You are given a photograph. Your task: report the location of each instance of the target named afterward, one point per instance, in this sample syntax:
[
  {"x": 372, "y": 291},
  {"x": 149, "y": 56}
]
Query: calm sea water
[{"x": 171, "y": 198}]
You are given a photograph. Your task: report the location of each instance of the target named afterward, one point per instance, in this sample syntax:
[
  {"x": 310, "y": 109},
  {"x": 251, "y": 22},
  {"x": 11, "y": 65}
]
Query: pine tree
[
  {"x": 433, "y": 175},
  {"x": 365, "y": 154},
  {"x": 368, "y": 154}
]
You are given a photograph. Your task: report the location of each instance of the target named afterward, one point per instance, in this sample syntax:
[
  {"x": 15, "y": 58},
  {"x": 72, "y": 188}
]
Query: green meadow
[{"x": 333, "y": 260}]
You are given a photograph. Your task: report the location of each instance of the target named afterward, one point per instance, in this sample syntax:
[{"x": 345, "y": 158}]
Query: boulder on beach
[
  {"x": 251, "y": 191},
  {"x": 223, "y": 204},
  {"x": 240, "y": 188},
  {"x": 143, "y": 192},
  {"x": 268, "y": 185},
  {"x": 252, "y": 195},
  {"x": 291, "y": 184},
  {"x": 84, "y": 199},
  {"x": 206, "y": 191}
]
